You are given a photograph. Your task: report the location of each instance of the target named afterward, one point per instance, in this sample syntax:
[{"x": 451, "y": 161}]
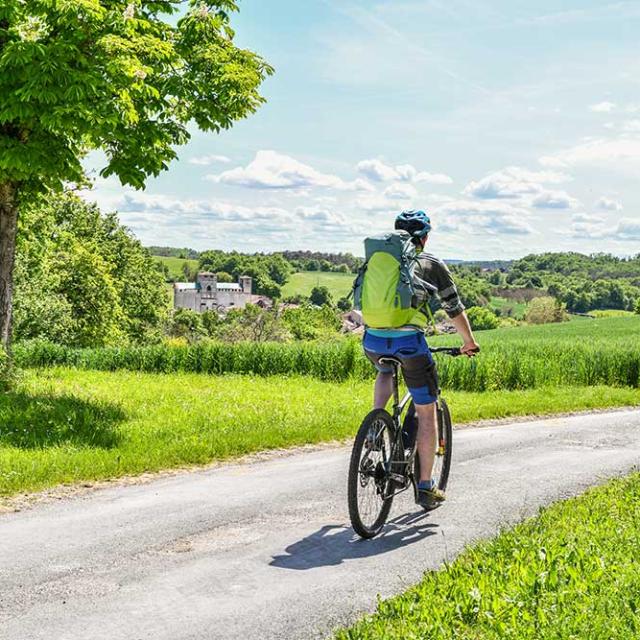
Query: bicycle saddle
[{"x": 390, "y": 360}]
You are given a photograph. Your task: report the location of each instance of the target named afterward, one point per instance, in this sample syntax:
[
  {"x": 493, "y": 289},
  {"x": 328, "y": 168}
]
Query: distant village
[{"x": 207, "y": 294}]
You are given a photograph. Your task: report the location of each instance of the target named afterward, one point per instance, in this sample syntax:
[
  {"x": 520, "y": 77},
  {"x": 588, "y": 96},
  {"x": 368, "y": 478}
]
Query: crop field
[
  {"x": 590, "y": 352},
  {"x": 339, "y": 284},
  {"x": 68, "y": 425},
  {"x": 175, "y": 265},
  {"x": 569, "y": 573}
]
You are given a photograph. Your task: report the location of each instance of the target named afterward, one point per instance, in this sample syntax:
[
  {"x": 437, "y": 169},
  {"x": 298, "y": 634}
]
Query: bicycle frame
[
  {"x": 397, "y": 453},
  {"x": 398, "y": 407}
]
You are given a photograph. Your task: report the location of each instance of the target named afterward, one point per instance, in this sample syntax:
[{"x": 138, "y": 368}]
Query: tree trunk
[{"x": 8, "y": 229}]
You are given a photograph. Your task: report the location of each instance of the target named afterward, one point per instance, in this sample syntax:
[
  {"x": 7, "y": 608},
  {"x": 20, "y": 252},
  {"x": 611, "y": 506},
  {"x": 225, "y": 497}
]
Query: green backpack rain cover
[{"x": 384, "y": 290}]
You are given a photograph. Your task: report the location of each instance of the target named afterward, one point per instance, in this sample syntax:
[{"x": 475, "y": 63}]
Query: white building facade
[{"x": 207, "y": 294}]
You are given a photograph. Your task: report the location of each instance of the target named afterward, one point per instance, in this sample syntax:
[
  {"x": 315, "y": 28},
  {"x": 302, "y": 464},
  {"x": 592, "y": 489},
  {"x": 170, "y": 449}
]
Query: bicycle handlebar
[{"x": 450, "y": 351}]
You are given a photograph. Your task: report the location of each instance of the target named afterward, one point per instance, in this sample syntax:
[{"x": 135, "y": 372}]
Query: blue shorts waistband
[{"x": 392, "y": 333}]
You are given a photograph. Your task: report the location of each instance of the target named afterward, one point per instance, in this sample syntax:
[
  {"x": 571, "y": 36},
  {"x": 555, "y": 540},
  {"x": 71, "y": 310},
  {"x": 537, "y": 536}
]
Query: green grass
[
  {"x": 175, "y": 265},
  {"x": 592, "y": 352},
  {"x": 67, "y": 425},
  {"x": 339, "y": 284},
  {"x": 569, "y": 574},
  {"x": 611, "y": 313}
]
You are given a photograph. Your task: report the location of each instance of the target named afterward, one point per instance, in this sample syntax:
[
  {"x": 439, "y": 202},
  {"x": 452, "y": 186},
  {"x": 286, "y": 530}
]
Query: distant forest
[
  {"x": 172, "y": 252},
  {"x": 581, "y": 282}
]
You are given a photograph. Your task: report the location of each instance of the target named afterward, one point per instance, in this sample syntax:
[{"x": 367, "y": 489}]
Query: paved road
[{"x": 263, "y": 551}]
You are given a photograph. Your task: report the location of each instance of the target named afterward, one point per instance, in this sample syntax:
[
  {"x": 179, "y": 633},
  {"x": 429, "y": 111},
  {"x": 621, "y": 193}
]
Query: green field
[
  {"x": 519, "y": 308},
  {"x": 175, "y": 265},
  {"x": 67, "y": 425},
  {"x": 339, "y": 284},
  {"x": 569, "y": 574}
]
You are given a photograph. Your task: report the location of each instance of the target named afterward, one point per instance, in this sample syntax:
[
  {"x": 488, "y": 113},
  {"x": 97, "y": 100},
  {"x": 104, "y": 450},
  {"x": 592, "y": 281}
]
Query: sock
[{"x": 427, "y": 484}]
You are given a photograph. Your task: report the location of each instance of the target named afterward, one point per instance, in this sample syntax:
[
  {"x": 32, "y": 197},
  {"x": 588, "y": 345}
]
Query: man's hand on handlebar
[{"x": 470, "y": 349}]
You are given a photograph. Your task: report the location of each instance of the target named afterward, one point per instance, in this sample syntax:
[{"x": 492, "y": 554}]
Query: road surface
[{"x": 263, "y": 550}]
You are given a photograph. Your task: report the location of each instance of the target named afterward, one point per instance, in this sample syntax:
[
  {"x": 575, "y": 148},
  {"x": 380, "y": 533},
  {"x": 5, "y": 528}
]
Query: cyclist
[{"x": 408, "y": 344}]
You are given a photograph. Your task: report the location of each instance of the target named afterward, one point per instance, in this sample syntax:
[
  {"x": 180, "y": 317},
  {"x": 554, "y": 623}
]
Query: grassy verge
[
  {"x": 569, "y": 573},
  {"x": 66, "y": 425}
]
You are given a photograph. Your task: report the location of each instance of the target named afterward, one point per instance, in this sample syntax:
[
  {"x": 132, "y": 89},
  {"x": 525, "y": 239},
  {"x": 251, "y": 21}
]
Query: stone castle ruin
[{"x": 207, "y": 294}]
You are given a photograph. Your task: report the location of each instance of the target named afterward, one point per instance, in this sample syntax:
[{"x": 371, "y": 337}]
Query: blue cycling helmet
[{"x": 416, "y": 223}]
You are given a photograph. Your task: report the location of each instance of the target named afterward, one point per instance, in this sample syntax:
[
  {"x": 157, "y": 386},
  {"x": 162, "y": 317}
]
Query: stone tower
[
  {"x": 246, "y": 284},
  {"x": 207, "y": 285}
]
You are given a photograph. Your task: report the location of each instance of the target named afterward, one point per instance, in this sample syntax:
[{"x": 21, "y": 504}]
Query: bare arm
[{"x": 461, "y": 323}]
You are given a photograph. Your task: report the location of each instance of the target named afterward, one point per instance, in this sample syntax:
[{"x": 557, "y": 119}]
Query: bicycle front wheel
[{"x": 370, "y": 494}]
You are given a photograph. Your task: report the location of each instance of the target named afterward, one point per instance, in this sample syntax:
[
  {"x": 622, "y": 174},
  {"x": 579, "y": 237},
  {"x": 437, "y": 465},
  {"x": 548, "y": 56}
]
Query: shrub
[
  {"x": 321, "y": 296},
  {"x": 544, "y": 310},
  {"x": 482, "y": 318},
  {"x": 345, "y": 304},
  {"x": 440, "y": 316},
  {"x": 186, "y": 323}
]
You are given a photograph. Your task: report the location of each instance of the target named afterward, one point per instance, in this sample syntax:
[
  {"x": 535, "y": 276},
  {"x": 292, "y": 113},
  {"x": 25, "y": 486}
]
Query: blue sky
[{"x": 516, "y": 124}]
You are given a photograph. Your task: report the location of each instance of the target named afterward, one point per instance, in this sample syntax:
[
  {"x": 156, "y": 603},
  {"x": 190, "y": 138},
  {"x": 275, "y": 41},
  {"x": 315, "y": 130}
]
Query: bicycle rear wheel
[
  {"x": 444, "y": 450},
  {"x": 370, "y": 492}
]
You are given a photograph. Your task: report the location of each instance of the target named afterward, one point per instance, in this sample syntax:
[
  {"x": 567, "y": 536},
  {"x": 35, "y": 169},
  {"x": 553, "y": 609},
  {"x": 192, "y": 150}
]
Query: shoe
[{"x": 430, "y": 498}]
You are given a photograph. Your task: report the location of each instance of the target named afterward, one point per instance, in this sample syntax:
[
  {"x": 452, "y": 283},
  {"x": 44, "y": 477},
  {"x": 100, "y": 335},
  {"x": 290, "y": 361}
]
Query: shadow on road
[{"x": 333, "y": 544}]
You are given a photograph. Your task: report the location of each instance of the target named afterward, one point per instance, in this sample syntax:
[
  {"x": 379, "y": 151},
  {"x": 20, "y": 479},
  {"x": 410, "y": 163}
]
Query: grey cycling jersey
[{"x": 435, "y": 272}]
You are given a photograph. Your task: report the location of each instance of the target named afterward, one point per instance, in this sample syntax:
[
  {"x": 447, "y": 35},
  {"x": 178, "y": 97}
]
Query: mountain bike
[{"x": 384, "y": 460}]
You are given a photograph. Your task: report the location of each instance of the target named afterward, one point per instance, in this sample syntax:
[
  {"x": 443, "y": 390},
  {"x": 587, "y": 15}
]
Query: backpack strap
[{"x": 356, "y": 288}]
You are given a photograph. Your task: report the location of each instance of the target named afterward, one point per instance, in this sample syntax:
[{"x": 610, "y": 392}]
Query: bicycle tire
[
  {"x": 363, "y": 529},
  {"x": 445, "y": 433}
]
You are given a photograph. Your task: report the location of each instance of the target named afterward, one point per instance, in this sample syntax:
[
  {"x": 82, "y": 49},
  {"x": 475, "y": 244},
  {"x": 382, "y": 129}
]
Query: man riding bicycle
[{"x": 407, "y": 343}]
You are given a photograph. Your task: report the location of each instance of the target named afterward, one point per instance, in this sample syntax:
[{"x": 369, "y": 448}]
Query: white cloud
[
  {"x": 586, "y": 217},
  {"x": 376, "y": 202},
  {"x": 588, "y": 226},
  {"x": 433, "y": 178},
  {"x": 603, "y": 107},
  {"x": 607, "y": 204},
  {"x": 320, "y": 215},
  {"x": 513, "y": 183},
  {"x": 631, "y": 126},
  {"x": 400, "y": 191},
  {"x": 205, "y": 161},
  {"x": 378, "y": 171},
  {"x": 480, "y": 218},
  {"x": 272, "y": 170},
  {"x": 554, "y": 200},
  {"x": 628, "y": 229},
  {"x": 600, "y": 152},
  {"x": 188, "y": 212}
]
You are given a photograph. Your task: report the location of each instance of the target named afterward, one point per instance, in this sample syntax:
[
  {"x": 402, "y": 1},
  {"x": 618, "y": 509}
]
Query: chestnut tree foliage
[{"x": 126, "y": 77}]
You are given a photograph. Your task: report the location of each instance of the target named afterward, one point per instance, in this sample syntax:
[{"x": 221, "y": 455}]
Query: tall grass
[{"x": 587, "y": 353}]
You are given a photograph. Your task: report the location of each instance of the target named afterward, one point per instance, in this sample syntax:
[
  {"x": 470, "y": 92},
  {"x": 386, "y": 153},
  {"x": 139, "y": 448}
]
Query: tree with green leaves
[
  {"x": 320, "y": 296},
  {"x": 126, "y": 77},
  {"x": 83, "y": 279}
]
